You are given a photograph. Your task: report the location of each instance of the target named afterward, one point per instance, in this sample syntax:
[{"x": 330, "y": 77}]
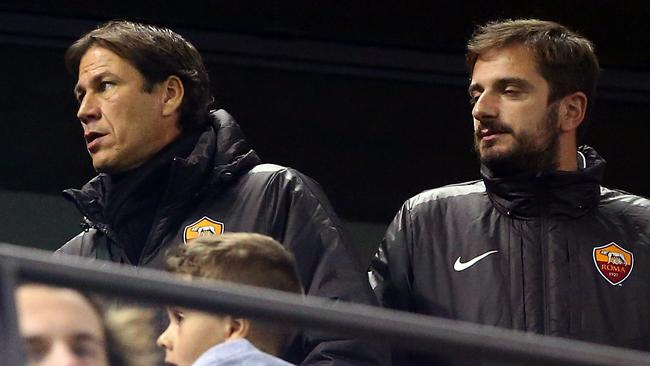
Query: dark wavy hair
[{"x": 156, "y": 53}]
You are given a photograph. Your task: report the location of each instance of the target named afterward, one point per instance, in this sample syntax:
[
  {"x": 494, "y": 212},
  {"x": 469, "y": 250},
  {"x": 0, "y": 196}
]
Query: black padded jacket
[
  {"x": 222, "y": 187},
  {"x": 551, "y": 253}
]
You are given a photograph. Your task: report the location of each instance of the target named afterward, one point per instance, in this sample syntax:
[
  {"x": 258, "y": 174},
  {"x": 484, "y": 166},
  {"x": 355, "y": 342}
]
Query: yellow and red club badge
[
  {"x": 204, "y": 226},
  {"x": 613, "y": 262}
]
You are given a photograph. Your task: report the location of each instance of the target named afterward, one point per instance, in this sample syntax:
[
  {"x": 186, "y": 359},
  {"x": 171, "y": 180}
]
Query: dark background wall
[{"x": 367, "y": 98}]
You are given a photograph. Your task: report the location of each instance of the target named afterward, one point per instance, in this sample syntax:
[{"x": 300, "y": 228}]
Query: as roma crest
[
  {"x": 202, "y": 227},
  {"x": 613, "y": 262}
]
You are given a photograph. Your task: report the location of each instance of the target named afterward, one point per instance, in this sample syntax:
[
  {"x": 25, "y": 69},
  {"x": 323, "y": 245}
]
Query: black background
[{"x": 369, "y": 98}]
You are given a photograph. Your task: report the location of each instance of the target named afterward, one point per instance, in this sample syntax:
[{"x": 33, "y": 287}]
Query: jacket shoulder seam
[{"x": 446, "y": 192}]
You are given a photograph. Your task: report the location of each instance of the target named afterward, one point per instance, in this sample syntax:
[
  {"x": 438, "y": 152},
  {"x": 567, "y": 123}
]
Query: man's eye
[
  {"x": 473, "y": 99},
  {"x": 35, "y": 351},
  {"x": 106, "y": 85},
  {"x": 512, "y": 92},
  {"x": 85, "y": 349}
]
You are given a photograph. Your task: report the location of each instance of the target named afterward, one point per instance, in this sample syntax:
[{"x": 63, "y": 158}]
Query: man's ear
[
  {"x": 239, "y": 328},
  {"x": 572, "y": 111},
  {"x": 173, "y": 93}
]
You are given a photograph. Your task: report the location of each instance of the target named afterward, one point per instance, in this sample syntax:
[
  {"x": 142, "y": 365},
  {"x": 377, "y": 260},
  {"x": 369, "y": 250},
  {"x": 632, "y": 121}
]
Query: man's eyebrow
[
  {"x": 503, "y": 83},
  {"x": 87, "y": 337},
  {"x": 518, "y": 82},
  {"x": 78, "y": 89},
  {"x": 34, "y": 339}
]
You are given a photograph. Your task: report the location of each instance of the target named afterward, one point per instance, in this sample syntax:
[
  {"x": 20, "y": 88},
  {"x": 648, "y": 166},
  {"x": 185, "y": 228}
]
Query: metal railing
[{"x": 417, "y": 332}]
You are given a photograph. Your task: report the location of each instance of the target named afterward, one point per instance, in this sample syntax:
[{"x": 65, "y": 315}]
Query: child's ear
[{"x": 239, "y": 328}]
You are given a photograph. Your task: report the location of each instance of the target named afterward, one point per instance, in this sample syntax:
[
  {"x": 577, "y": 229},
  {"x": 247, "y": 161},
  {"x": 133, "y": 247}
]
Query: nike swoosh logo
[{"x": 460, "y": 266}]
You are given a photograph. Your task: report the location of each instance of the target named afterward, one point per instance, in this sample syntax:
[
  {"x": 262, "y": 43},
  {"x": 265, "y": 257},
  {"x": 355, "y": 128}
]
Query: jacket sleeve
[
  {"x": 80, "y": 245},
  {"x": 391, "y": 278},
  {"x": 88, "y": 244},
  {"x": 328, "y": 269},
  {"x": 390, "y": 270}
]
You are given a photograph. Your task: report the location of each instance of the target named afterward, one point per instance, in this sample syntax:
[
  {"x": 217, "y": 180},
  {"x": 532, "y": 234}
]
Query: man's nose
[
  {"x": 61, "y": 354},
  {"x": 486, "y": 106},
  {"x": 88, "y": 109}
]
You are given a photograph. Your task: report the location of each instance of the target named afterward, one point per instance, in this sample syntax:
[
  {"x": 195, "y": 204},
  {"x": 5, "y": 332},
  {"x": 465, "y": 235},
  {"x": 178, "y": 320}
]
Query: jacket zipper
[
  {"x": 87, "y": 224},
  {"x": 543, "y": 242}
]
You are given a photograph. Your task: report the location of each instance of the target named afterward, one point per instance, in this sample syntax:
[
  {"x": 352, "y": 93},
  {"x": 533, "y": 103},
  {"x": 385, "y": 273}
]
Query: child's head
[{"x": 250, "y": 259}]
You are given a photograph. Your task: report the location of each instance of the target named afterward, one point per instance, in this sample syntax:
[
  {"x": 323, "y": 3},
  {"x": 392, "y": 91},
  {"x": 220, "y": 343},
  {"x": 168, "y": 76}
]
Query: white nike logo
[{"x": 460, "y": 266}]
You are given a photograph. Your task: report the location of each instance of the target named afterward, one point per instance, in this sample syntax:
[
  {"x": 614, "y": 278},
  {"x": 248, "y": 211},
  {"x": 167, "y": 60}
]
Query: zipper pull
[{"x": 86, "y": 225}]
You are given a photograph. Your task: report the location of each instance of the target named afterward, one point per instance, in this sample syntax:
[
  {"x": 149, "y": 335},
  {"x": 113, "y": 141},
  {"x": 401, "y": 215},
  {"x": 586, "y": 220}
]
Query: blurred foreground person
[
  {"x": 60, "y": 327},
  {"x": 209, "y": 339},
  {"x": 63, "y": 327}
]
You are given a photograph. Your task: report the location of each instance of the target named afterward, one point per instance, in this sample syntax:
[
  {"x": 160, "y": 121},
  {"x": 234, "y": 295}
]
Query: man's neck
[{"x": 567, "y": 157}]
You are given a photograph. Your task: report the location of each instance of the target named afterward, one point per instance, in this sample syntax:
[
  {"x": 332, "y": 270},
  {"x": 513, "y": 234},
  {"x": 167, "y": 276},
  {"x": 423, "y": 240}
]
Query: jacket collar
[
  {"x": 220, "y": 155},
  {"x": 563, "y": 195}
]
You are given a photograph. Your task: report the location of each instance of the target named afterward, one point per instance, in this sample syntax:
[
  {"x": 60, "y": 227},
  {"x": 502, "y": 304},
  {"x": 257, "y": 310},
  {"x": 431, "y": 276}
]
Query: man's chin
[
  {"x": 500, "y": 161},
  {"x": 492, "y": 153},
  {"x": 102, "y": 166},
  {"x": 99, "y": 167},
  {"x": 113, "y": 166}
]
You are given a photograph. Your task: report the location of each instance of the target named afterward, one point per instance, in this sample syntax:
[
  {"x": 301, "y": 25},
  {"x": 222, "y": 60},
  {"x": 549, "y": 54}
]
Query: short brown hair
[
  {"x": 156, "y": 53},
  {"x": 245, "y": 258},
  {"x": 564, "y": 58}
]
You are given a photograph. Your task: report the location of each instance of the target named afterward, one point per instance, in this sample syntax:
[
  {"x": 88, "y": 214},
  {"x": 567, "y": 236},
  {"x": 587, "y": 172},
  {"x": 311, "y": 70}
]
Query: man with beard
[
  {"x": 538, "y": 244},
  {"x": 171, "y": 170}
]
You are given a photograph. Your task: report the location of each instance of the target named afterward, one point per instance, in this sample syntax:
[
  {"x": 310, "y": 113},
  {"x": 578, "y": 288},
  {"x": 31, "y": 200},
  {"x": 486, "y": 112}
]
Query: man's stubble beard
[{"x": 526, "y": 154}]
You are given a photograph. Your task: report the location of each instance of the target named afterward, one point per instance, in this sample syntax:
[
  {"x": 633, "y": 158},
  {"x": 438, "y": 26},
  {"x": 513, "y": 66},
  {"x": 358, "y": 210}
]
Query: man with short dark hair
[
  {"x": 199, "y": 338},
  {"x": 172, "y": 170},
  {"x": 538, "y": 244}
]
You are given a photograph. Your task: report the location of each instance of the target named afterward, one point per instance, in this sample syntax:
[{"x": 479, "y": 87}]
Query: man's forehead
[
  {"x": 98, "y": 62},
  {"x": 95, "y": 61},
  {"x": 517, "y": 50},
  {"x": 35, "y": 303},
  {"x": 67, "y": 335},
  {"x": 97, "y": 57},
  {"x": 509, "y": 62}
]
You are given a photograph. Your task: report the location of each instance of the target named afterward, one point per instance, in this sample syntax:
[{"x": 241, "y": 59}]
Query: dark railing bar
[{"x": 414, "y": 331}]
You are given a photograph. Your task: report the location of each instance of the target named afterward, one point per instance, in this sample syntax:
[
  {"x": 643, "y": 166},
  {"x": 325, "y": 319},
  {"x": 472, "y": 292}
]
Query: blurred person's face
[
  {"x": 59, "y": 327},
  {"x": 190, "y": 333},
  {"x": 123, "y": 125}
]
